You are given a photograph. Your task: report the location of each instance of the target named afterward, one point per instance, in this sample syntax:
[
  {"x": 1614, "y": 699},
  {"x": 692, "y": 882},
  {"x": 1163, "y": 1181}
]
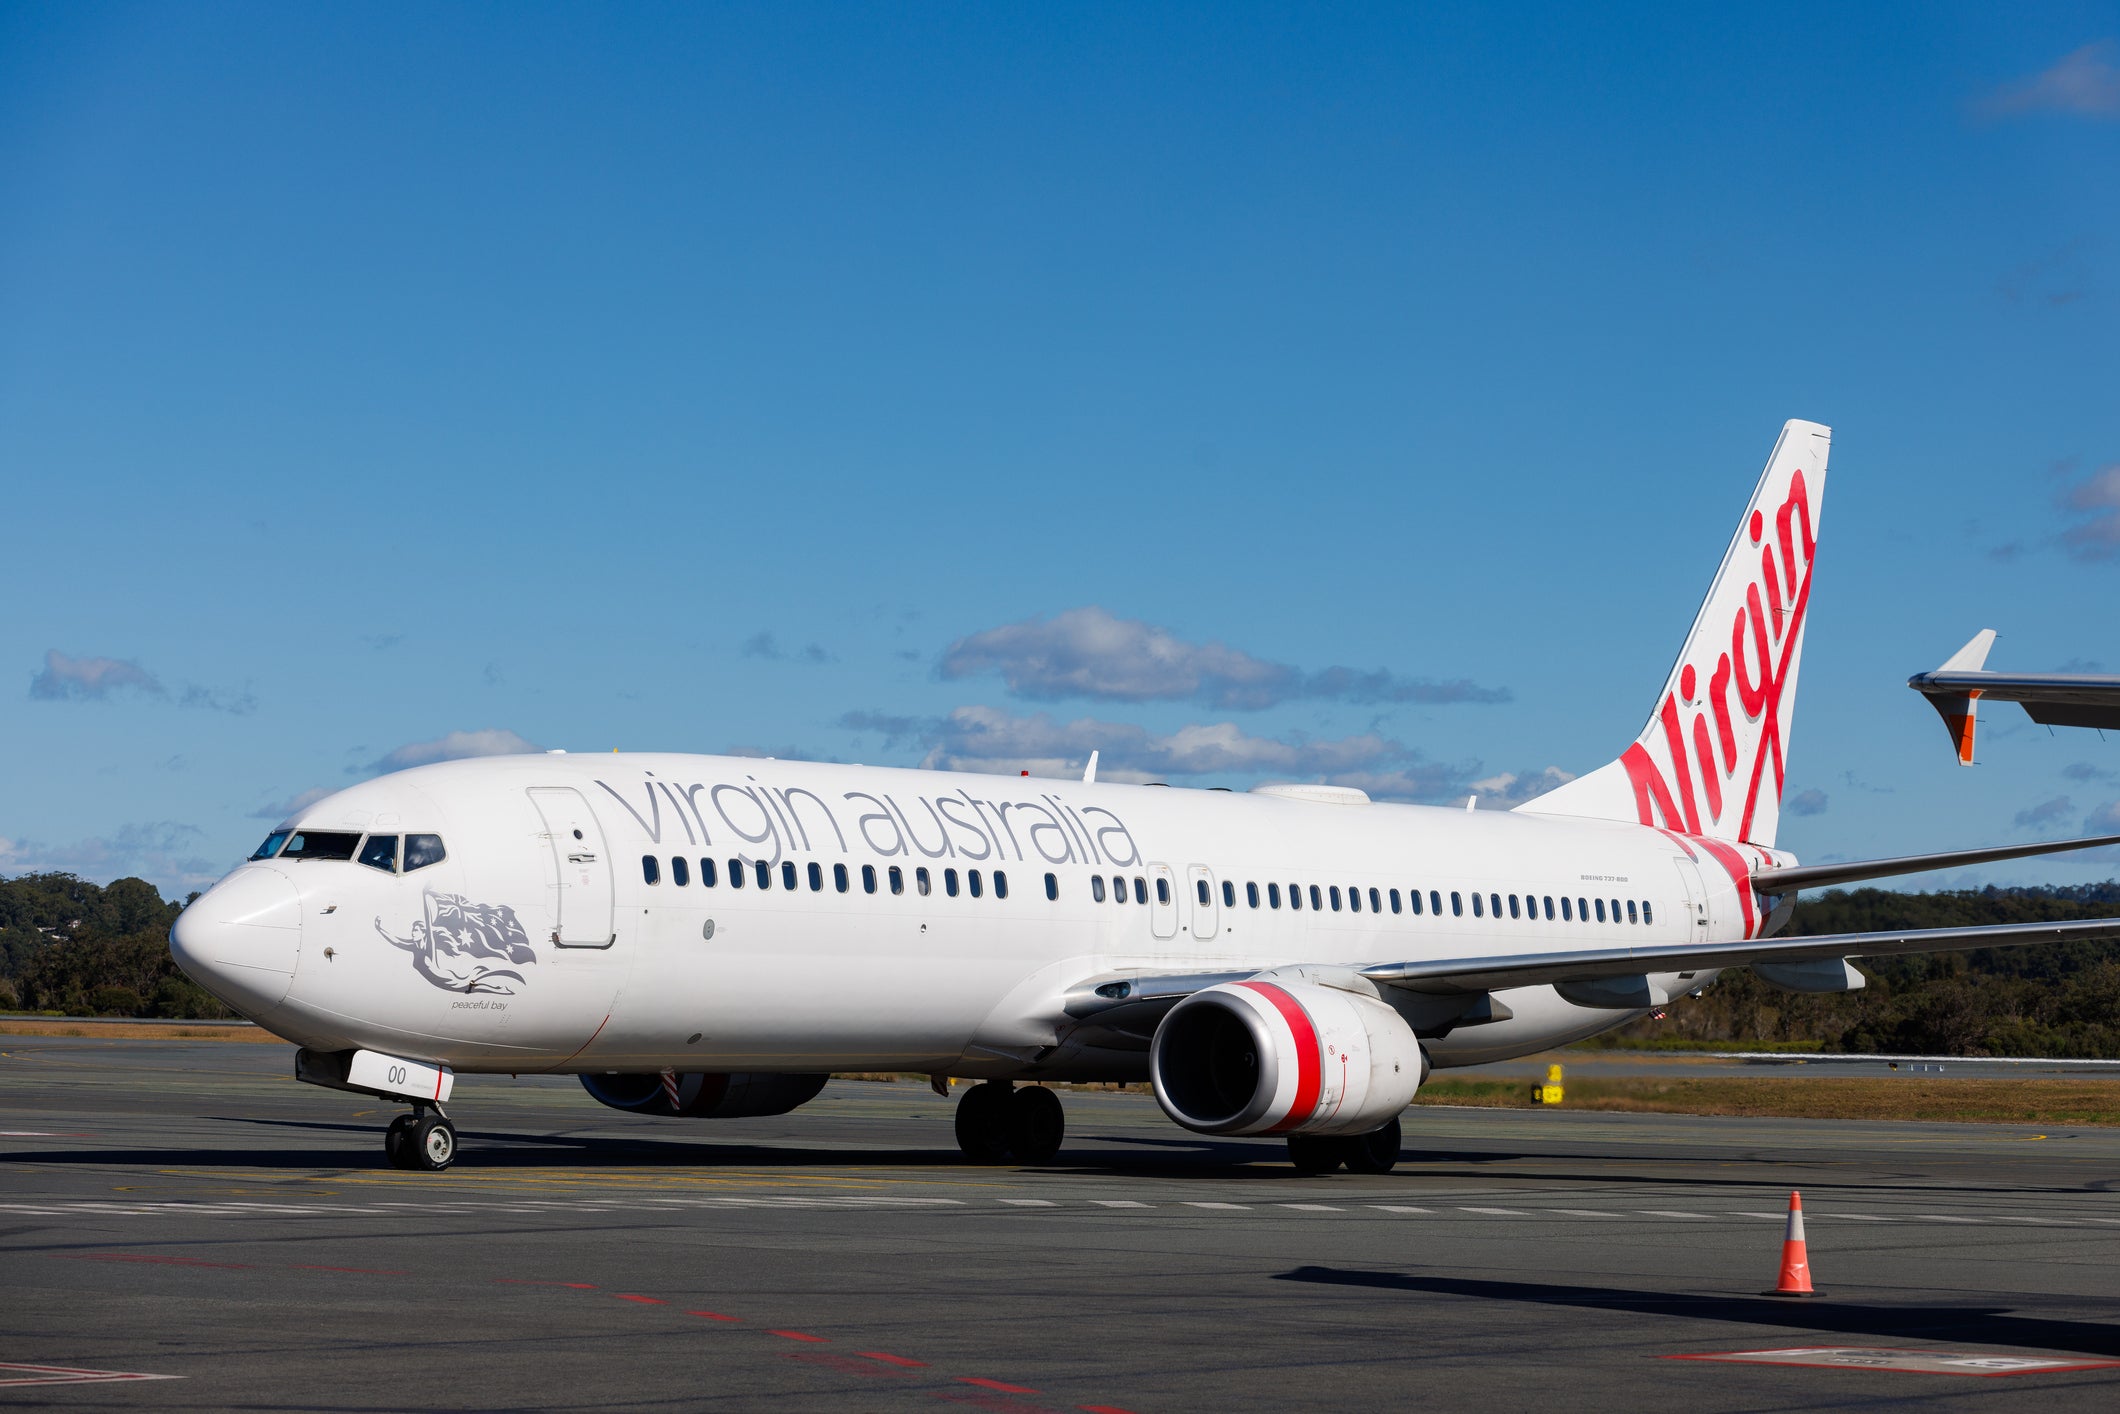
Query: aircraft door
[
  {"x": 1162, "y": 901},
  {"x": 1694, "y": 895},
  {"x": 1206, "y": 915},
  {"x": 581, "y": 899}
]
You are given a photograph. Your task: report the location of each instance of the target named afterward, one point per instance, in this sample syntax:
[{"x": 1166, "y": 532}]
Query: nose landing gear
[
  {"x": 996, "y": 1122},
  {"x": 423, "y": 1141}
]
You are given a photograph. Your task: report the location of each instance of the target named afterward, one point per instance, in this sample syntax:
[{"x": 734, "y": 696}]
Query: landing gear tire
[
  {"x": 1312, "y": 1154},
  {"x": 983, "y": 1122},
  {"x": 394, "y": 1145},
  {"x": 431, "y": 1144},
  {"x": 1374, "y": 1152},
  {"x": 1035, "y": 1125}
]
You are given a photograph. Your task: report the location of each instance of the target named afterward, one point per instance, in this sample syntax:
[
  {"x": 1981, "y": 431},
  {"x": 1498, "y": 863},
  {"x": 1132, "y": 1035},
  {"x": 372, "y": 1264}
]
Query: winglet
[
  {"x": 1089, "y": 772},
  {"x": 1959, "y": 707}
]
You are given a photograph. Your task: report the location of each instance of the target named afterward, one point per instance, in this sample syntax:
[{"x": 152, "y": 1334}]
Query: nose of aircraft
[{"x": 241, "y": 938}]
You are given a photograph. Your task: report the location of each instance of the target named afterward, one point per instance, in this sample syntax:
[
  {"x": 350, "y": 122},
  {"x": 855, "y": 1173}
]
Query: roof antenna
[
  {"x": 1089, "y": 772},
  {"x": 1471, "y": 800}
]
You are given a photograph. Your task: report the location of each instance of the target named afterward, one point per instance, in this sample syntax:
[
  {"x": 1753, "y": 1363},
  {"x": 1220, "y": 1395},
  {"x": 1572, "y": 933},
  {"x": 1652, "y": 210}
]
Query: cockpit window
[
  {"x": 380, "y": 853},
  {"x": 321, "y": 844},
  {"x": 272, "y": 844},
  {"x": 423, "y": 850}
]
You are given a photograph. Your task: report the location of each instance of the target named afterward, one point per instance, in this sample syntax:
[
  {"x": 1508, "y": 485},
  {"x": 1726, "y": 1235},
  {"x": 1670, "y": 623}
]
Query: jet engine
[
  {"x": 1285, "y": 1057},
  {"x": 704, "y": 1095}
]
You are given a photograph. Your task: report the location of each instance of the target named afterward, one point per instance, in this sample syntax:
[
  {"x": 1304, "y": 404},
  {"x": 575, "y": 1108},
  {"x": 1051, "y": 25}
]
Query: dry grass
[
  {"x": 136, "y": 1031},
  {"x": 2049, "y": 1102}
]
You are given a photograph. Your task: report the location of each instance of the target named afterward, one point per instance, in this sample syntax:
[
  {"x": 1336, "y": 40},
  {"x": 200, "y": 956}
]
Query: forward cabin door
[
  {"x": 581, "y": 900},
  {"x": 1206, "y": 914}
]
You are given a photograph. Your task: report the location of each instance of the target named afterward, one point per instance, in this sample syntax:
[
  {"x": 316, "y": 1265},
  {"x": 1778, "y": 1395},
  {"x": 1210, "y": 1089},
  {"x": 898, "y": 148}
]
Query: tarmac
[{"x": 187, "y": 1215}]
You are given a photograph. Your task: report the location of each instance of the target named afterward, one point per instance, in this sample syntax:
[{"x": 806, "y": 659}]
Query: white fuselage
[{"x": 527, "y": 949}]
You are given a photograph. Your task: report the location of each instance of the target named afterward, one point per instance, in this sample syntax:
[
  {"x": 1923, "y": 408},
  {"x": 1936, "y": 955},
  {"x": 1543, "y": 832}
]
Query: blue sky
[{"x": 1255, "y": 392}]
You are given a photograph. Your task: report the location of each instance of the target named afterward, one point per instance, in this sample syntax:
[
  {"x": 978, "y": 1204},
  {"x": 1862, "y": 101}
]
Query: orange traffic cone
[{"x": 1795, "y": 1257}]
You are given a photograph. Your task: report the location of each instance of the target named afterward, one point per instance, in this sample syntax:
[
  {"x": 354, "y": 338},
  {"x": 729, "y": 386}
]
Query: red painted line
[
  {"x": 891, "y": 1359},
  {"x": 1310, "y": 1056},
  {"x": 994, "y": 1384},
  {"x": 570, "y": 1285},
  {"x": 713, "y": 1316},
  {"x": 643, "y": 1300},
  {"x": 798, "y": 1335},
  {"x": 1102, "y": 1409},
  {"x": 358, "y": 1271}
]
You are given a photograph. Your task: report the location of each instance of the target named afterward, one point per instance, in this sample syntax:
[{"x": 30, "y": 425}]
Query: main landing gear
[
  {"x": 997, "y": 1122},
  {"x": 1374, "y": 1152},
  {"x": 424, "y": 1141}
]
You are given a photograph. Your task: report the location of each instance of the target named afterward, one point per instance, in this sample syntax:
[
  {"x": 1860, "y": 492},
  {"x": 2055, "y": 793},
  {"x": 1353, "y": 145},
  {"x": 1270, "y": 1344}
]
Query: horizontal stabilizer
[
  {"x": 1956, "y": 689},
  {"x": 1825, "y": 876}
]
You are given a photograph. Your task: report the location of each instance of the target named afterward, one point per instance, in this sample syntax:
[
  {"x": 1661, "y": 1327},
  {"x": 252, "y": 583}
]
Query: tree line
[{"x": 80, "y": 949}]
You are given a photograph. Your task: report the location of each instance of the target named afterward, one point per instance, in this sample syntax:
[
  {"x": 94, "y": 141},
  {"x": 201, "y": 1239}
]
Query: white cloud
[
  {"x": 489, "y": 741},
  {"x": 1810, "y": 802},
  {"x": 161, "y": 852},
  {"x": 991, "y": 740},
  {"x": 2097, "y": 498},
  {"x": 66, "y": 679},
  {"x": 2085, "y": 83},
  {"x": 2046, "y": 815},
  {"x": 69, "y": 679},
  {"x": 1090, "y": 652}
]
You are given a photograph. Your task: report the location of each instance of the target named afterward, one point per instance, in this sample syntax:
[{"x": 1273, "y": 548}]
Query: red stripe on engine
[{"x": 1309, "y": 1059}]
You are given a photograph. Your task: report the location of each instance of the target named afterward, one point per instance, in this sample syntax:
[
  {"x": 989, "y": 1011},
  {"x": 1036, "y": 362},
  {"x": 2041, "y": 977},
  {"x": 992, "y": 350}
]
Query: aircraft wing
[
  {"x": 1957, "y": 688},
  {"x": 1615, "y": 977}
]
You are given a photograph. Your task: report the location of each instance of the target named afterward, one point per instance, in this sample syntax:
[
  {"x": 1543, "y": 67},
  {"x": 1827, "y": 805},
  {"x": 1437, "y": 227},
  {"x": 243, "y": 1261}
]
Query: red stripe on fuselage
[{"x": 1310, "y": 1060}]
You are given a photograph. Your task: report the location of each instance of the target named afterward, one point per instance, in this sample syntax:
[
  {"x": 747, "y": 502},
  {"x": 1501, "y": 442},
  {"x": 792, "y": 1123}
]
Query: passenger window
[
  {"x": 1376, "y": 903},
  {"x": 1317, "y": 899},
  {"x": 1630, "y": 912},
  {"x": 1229, "y": 894},
  {"x": 816, "y": 872},
  {"x": 1615, "y": 910},
  {"x": 1600, "y": 910},
  {"x": 787, "y": 875},
  {"x": 764, "y": 872},
  {"x": 1118, "y": 889},
  {"x": 1354, "y": 899},
  {"x": 380, "y": 853},
  {"x": 1295, "y": 898},
  {"x": 839, "y": 877},
  {"x": 1001, "y": 884},
  {"x": 650, "y": 869},
  {"x": 868, "y": 878},
  {"x": 1141, "y": 890},
  {"x": 1457, "y": 904},
  {"x": 974, "y": 883},
  {"x": 272, "y": 844},
  {"x": 1200, "y": 889},
  {"x": 1435, "y": 902},
  {"x": 1251, "y": 894},
  {"x": 1273, "y": 895},
  {"x": 326, "y": 844},
  {"x": 1512, "y": 907},
  {"x": 1494, "y": 904},
  {"x": 736, "y": 873},
  {"x": 1476, "y": 913},
  {"x": 1335, "y": 895},
  {"x": 897, "y": 880},
  {"x": 1096, "y": 887},
  {"x": 1567, "y": 915},
  {"x": 1582, "y": 910},
  {"x": 1549, "y": 908},
  {"x": 1413, "y": 902},
  {"x": 1052, "y": 888},
  {"x": 680, "y": 872},
  {"x": 949, "y": 882},
  {"x": 706, "y": 874},
  {"x": 922, "y": 884},
  {"x": 1647, "y": 916}
]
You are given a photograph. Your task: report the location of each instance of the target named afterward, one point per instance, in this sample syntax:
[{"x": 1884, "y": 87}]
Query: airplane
[
  {"x": 2050, "y": 699},
  {"x": 714, "y": 936}
]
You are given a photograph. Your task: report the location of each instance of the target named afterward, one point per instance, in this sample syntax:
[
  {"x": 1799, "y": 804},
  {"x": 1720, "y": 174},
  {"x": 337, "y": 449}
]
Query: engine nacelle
[
  {"x": 705, "y": 1095},
  {"x": 1268, "y": 1057}
]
